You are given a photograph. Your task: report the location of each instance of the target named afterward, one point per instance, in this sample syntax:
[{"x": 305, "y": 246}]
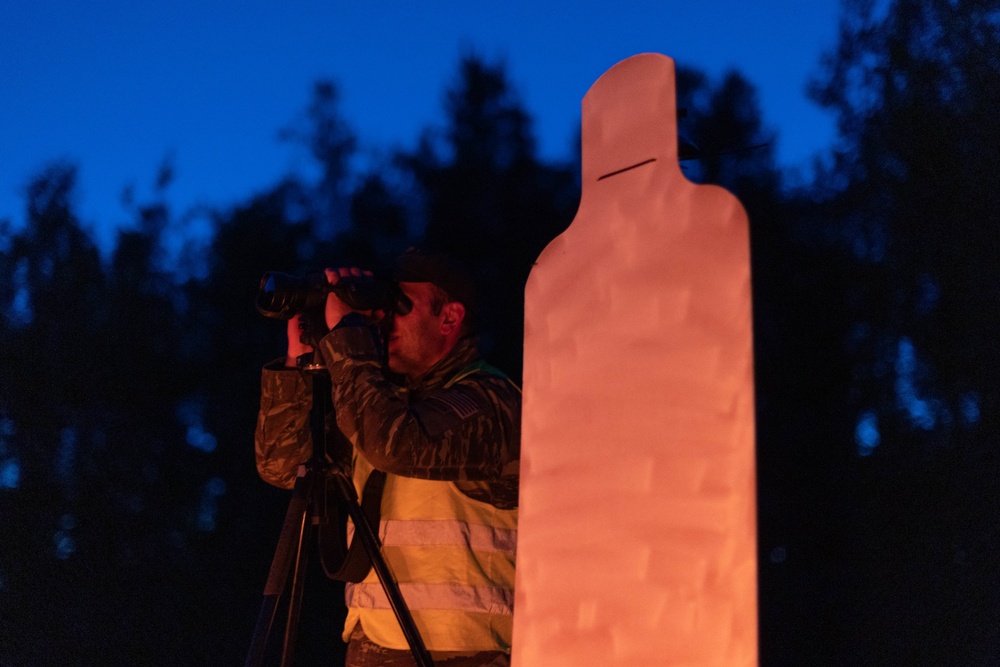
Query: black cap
[{"x": 420, "y": 265}]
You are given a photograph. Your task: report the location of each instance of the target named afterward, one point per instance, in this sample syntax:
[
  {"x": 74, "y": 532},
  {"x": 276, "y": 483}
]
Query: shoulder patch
[{"x": 448, "y": 409}]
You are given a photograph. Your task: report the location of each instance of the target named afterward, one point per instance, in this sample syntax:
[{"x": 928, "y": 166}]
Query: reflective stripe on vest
[
  {"x": 443, "y": 533},
  {"x": 455, "y": 597},
  {"x": 396, "y": 533},
  {"x": 453, "y": 559}
]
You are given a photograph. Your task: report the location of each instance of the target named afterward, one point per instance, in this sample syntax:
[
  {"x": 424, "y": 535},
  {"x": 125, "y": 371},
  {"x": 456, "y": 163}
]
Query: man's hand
[
  {"x": 335, "y": 308},
  {"x": 296, "y": 347}
]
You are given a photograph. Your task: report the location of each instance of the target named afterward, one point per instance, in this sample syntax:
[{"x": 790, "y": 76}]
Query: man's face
[{"x": 416, "y": 340}]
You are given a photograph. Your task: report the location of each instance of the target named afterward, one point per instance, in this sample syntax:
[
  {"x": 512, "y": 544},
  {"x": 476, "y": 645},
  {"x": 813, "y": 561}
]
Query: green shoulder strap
[{"x": 479, "y": 366}]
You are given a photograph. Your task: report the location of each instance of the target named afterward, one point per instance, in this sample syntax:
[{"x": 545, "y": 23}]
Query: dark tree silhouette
[
  {"x": 914, "y": 86},
  {"x": 111, "y": 497},
  {"x": 488, "y": 200},
  {"x": 724, "y": 121},
  {"x": 331, "y": 142}
]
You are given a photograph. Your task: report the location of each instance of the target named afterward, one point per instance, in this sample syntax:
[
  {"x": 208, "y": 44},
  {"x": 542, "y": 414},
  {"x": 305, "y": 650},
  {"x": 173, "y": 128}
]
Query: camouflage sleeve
[
  {"x": 468, "y": 431},
  {"x": 282, "y": 441}
]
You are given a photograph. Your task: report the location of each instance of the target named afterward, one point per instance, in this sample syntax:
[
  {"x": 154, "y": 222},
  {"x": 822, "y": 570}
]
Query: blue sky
[{"x": 118, "y": 85}]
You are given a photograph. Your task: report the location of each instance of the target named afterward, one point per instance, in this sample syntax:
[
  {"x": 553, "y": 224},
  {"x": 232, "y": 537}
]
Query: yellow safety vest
[{"x": 453, "y": 558}]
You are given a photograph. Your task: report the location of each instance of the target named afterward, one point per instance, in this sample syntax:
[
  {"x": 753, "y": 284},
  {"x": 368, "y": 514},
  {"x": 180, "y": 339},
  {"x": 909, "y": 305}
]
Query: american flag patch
[{"x": 448, "y": 408}]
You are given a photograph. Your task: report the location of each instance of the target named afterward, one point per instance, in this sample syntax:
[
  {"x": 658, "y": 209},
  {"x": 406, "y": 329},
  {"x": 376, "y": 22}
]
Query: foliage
[
  {"x": 914, "y": 216},
  {"x": 916, "y": 91},
  {"x": 488, "y": 201},
  {"x": 104, "y": 449}
]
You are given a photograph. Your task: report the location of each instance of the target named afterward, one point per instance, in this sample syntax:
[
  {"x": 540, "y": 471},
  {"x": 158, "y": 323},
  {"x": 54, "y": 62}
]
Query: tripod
[{"x": 296, "y": 540}]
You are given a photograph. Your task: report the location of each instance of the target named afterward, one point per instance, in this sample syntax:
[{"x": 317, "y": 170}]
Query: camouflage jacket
[{"x": 458, "y": 422}]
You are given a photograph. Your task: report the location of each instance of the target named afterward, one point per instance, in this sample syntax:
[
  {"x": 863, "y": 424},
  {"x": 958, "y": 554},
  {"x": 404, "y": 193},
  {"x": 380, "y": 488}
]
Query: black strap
[{"x": 341, "y": 562}]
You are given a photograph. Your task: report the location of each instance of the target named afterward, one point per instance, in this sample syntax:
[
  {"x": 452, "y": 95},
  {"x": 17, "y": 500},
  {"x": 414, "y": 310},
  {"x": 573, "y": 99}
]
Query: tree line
[{"x": 137, "y": 531}]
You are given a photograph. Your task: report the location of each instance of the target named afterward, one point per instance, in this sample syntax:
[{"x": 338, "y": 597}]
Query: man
[{"x": 447, "y": 437}]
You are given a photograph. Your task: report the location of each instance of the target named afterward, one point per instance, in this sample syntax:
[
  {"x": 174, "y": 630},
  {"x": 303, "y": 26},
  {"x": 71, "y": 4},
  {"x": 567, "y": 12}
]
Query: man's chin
[{"x": 393, "y": 364}]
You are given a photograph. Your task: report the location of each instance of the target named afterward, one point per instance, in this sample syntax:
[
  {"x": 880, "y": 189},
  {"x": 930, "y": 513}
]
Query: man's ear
[{"x": 452, "y": 316}]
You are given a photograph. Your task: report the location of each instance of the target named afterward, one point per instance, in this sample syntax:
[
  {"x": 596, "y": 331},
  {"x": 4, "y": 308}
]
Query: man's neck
[{"x": 457, "y": 349}]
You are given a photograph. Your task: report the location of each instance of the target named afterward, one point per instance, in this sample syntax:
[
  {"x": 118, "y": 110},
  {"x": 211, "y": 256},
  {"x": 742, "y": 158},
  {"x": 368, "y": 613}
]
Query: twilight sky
[{"x": 116, "y": 86}]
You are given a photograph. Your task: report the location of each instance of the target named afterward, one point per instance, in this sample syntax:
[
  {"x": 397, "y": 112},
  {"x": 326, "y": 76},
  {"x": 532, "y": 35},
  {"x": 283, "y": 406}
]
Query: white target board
[{"x": 637, "y": 528}]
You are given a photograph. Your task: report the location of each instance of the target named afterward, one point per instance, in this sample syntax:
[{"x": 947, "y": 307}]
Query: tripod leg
[
  {"x": 364, "y": 531},
  {"x": 298, "y": 589},
  {"x": 289, "y": 544}
]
